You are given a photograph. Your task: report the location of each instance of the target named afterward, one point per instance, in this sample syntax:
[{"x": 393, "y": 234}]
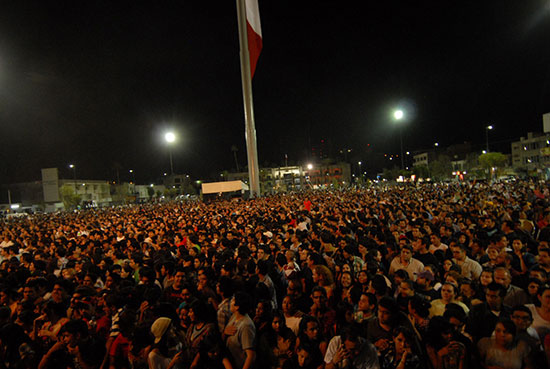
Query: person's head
[
  {"x": 505, "y": 332},
  {"x": 264, "y": 311},
  {"x": 403, "y": 338},
  {"x": 406, "y": 288},
  {"x": 179, "y": 278},
  {"x": 241, "y": 303},
  {"x": 288, "y": 306},
  {"x": 363, "y": 277},
  {"x": 533, "y": 286},
  {"x": 538, "y": 273},
  {"x": 346, "y": 279},
  {"x": 419, "y": 306},
  {"x": 294, "y": 288},
  {"x": 459, "y": 252},
  {"x": 447, "y": 265},
  {"x": 322, "y": 275},
  {"x": 225, "y": 287},
  {"x": 406, "y": 253},
  {"x": 73, "y": 332},
  {"x": 367, "y": 302},
  {"x": 160, "y": 328},
  {"x": 378, "y": 285},
  {"x": 278, "y": 322},
  {"x": 387, "y": 310},
  {"x": 456, "y": 315},
  {"x": 310, "y": 327},
  {"x": 440, "y": 331},
  {"x": 198, "y": 312},
  {"x": 351, "y": 341},
  {"x": 543, "y": 295},
  {"x": 486, "y": 277},
  {"x": 400, "y": 276},
  {"x": 494, "y": 295},
  {"x": 522, "y": 317},
  {"x": 492, "y": 252},
  {"x": 502, "y": 276},
  {"x": 319, "y": 296},
  {"x": 448, "y": 292},
  {"x": 304, "y": 354},
  {"x": 453, "y": 277},
  {"x": 544, "y": 257}
]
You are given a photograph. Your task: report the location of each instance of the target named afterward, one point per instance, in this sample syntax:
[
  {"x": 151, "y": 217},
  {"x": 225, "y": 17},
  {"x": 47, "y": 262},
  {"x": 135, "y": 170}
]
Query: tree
[
  {"x": 391, "y": 174},
  {"x": 493, "y": 162},
  {"x": 150, "y": 192},
  {"x": 421, "y": 171},
  {"x": 69, "y": 197},
  {"x": 441, "y": 168}
]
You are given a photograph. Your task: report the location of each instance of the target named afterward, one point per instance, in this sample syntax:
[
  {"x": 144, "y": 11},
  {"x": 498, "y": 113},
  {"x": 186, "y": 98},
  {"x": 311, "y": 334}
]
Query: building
[
  {"x": 295, "y": 178},
  {"x": 531, "y": 153}
]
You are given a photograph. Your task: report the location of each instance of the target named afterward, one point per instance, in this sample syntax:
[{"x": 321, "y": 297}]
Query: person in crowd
[
  {"x": 350, "y": 350},
  {"x": 541, "y": 312},
  {"x": 504, "y": 350},
  {"x": 399, "y": 354},
  {"x": 240, "y": 332},
  {"x": 127, "y": 267},
  {"x": 449, "y": 294},
  {"x": 443, "y": 349},
  {"x": 484, "y": 317}
]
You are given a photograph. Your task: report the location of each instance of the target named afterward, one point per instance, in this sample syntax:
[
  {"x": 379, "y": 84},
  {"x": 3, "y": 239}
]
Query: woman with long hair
[
  {"x": 322, "y": 276},
  {"x": 503, "y": 350},
  {"x": 310, "y": 333},
  {"x": 202, "y": 326},
  {"x": 443, "y": 350},
  {"x": 399, "y": 353}
]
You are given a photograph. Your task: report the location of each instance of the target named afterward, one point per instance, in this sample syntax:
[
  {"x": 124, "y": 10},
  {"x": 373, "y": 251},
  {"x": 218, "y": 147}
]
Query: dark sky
[{"x": 97, "y": 83}]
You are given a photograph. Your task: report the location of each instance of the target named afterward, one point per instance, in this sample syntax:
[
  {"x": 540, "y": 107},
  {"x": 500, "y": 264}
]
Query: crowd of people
[{"x": 412, "y": 276}]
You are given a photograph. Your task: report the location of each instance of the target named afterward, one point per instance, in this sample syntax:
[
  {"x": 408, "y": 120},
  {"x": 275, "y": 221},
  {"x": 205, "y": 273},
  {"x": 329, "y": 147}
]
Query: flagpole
[{"x": 250, "y": 130}]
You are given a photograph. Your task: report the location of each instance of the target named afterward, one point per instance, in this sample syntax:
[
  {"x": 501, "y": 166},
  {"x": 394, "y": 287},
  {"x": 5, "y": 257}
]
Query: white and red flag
[{"x": 254, "y": 33}]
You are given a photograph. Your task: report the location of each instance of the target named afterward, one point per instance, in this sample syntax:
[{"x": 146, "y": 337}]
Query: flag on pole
[{"x": 254, "y": 33}]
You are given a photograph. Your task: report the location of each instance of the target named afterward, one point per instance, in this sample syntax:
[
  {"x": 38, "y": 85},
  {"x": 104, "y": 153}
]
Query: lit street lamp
[
  {"x": 487, "y": 129},
  {"x": 398, "y": 115},
  {"x": 72, "y": 166},
  {"x": 170, "y": 138}
]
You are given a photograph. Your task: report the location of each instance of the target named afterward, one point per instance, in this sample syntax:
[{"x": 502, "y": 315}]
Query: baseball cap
[
  {"x": 426, "y": 274},
  {"x": 159, "y": 327}
]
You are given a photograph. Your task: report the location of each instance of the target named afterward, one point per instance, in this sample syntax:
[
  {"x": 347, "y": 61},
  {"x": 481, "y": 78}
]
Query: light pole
[
  {"x": 398, "y": 115},
  {"x": 487, "y": 129},
  {"x": 170, "y": 138},
  {"x": 360, "y": 175},
  {"x": 72, "y": 166}
]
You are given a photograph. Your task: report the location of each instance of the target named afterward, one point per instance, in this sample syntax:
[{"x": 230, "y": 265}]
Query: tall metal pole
[
  {"x": 486, "y": 139},
  {"x": 250, "y": 130},
  {"x": 401, "y": 140},
  {"x": 171, "y": 163}
]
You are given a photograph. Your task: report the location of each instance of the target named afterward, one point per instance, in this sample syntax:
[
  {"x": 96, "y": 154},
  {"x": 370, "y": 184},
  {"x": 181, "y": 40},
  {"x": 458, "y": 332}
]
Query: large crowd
[{"x": 427, "y": 276}]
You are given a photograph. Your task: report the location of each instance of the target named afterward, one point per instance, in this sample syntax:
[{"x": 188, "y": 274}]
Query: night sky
[{"x": 97, "y": 83}]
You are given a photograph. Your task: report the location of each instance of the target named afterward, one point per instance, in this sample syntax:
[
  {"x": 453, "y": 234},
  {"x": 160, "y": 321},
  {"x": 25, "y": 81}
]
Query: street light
[
  {"x": 359, "y": 163},
  {"x": 170, "y": 138},
  {"x": 72, "y": 166},
  {"x": 398, "y": 115},
  {"x": 133, "y": 176},
  {"x": 487, "y": 129}
]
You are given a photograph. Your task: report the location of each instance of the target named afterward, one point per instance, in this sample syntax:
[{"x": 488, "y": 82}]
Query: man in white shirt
[
  {"x": 437, "y": 244},
  {"x": 405, "y": 261},
  {"x": 470, "y": 268}
]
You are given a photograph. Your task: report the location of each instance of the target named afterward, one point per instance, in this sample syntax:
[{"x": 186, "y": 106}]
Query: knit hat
[{"x": 159, "y": 327}]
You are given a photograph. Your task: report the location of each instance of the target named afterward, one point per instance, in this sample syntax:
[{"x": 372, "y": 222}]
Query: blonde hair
[{"x": 324, "y": 272}]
